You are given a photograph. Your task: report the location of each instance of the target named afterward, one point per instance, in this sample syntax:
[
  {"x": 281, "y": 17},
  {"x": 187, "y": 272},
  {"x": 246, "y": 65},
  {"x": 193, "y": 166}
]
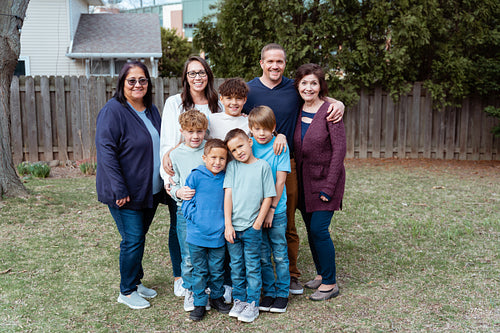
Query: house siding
[{"x": 45, "y": 37}]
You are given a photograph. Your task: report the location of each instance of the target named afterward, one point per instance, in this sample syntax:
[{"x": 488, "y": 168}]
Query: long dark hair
[
  {"x": 312, "y": 69},
  {"x": 210, "y": 92},
  {"x": 119, "y": 94}
]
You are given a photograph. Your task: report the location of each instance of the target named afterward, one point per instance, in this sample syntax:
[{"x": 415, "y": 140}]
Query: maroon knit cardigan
[{"x": 320, "y": 162}]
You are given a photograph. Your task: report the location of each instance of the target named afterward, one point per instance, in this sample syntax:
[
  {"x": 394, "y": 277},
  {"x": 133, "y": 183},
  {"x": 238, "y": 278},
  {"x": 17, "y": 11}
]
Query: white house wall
[{"x": 45, "y": 38}]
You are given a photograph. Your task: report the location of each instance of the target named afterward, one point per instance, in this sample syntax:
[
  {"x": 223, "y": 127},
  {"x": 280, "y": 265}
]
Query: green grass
[{"x": 417, "y": 250}]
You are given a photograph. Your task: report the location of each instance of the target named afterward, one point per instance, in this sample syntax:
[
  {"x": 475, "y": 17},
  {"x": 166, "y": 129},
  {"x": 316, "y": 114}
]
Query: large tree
[
  {"x": 176, "y": 50},
  {"x": 453, "y": 46},
  {"x": 11, "y": 21}
]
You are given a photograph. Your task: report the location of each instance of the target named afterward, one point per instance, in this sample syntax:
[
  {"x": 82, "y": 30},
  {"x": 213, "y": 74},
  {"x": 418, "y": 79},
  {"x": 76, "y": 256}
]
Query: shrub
[
  {"x": 23, "y": 168},
  {"x": 37, "y": 169},
  {"x": 88, "y": 168}
]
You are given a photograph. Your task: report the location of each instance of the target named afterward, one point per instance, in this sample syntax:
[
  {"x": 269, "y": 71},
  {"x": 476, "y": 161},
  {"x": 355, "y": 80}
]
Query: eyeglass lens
[
  {"x": 142, "y": 81},
  {"x": 193, "y": 74}
]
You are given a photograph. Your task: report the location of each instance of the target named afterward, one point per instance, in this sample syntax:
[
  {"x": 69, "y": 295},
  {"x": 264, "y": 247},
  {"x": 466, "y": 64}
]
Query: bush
[
  {"x": 37, "y": 169},
  {"x": 23, "y": 168},
  {"x": 88, "y": 168}
]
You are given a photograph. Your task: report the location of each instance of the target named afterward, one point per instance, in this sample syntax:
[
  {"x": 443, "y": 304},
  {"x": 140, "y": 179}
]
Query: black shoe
[
  {"x": 198, "y": 313},
  {"x": 219, "y": 305},
  {"x": 265, "y": 304},
  {"x": 279, "y": 305}
]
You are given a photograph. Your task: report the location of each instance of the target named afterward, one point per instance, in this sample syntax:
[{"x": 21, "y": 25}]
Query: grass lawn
[{"x": 417, "y": 245}]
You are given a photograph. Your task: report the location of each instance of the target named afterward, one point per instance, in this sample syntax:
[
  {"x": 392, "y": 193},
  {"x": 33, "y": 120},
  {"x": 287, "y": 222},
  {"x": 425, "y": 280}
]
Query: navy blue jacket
[{"x": 125, "y": 155}]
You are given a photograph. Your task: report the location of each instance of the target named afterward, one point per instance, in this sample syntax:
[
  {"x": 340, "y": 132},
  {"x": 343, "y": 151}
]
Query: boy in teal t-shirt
[{"x": 249, "y": 188}]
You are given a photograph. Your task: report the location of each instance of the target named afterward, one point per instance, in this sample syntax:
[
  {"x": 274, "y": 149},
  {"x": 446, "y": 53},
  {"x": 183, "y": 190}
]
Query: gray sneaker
[
  {"x": 249, "y": 313},
  {"x": 228, "y": 292},
  {"x": 295, "y": 286},
  {"x": 146, "y": 292},
  {"x": 238, "y": 306},
  {"x": 188, "y": 301},
  {"x": 135, "y": 301}
]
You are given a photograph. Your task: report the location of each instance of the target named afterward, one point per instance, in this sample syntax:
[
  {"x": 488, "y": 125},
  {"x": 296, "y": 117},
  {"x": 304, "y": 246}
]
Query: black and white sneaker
[
  {"x": 279, "y": 305},
  {"x": 265, "y": 304},
  {"x": 198, "y": 313}
]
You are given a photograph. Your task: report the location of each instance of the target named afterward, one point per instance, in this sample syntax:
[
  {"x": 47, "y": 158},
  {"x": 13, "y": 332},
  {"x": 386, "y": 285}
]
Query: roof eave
[{"x": 112, "y": 55}]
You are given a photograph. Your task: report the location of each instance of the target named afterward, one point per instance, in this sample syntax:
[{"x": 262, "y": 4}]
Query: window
[
  {"x": 23, "y": 66},
  {"x": 99, "y": 67}
]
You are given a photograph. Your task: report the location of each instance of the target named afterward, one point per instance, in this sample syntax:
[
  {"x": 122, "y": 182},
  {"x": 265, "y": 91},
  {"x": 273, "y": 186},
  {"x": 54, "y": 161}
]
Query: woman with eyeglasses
[
  {"x": 197, "y": 92},
  {"x": 128, "y": 173}
]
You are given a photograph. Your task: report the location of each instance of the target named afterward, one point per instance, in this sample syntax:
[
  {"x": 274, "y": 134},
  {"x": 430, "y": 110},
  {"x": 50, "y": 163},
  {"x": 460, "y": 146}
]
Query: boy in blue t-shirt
[
  {"x": 249, "y": 188},
  {"x": 205, "y": 229},
  {"x": 262, "y": 123}
]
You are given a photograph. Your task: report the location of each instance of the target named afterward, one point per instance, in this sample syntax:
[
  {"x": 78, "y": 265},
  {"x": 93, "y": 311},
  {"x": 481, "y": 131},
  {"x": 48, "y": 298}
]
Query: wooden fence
[{"x": 53, "y": 118}]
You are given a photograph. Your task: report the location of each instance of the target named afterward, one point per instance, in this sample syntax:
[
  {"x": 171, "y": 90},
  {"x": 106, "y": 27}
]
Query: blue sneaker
[
  {"x": 146, "y": 292},
  {"x": 134, "y": 301}
]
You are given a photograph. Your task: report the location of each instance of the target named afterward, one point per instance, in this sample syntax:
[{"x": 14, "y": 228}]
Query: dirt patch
[
  {"x": 66, "y": 172},
  {"x": 464, "y": 168}
]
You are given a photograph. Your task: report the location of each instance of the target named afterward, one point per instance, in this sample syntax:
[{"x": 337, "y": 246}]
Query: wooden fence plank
[
  {"x": 401, "y": 127},
  {"x": 349, "y": 124},
  {"x": 450, "y": 132},
  {"x": 414, "y": 125},
  {"x": 363, "y": 124},
  {"x": 427, "y": 126},
  {"x": 377, "y": 122},
  {"x": 62, "y": 134},
  {"x": 48, "y": 152},
  {"x": 76, "y": 119},
  {"x": 487, "y": 136},
  {"x": 16, "y": 129},
  {"x": 440, "y": 139},
  {"x": 389, "y": 127},
  {"x": 475, "y": 130},
  {"x": 84, "y": 117},
  {"x": 31, "y": 120},
  {"x": 464, "y": 128}
]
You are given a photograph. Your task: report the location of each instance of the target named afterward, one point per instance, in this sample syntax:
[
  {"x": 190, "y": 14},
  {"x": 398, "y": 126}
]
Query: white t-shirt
[
  {"x": 219, "y": 124},
  {"x": 170, "y": 134}
]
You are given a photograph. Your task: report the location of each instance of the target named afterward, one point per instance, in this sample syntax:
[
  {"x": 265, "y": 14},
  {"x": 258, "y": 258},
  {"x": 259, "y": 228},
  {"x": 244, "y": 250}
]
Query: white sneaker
[
  {"x": 188, "y": 301},
  {"x": 238, "y": 306},
  {"x": 249, "y": 313},
  {"x": 228, "y": 294},
  {"x": 179, "y": 290}
]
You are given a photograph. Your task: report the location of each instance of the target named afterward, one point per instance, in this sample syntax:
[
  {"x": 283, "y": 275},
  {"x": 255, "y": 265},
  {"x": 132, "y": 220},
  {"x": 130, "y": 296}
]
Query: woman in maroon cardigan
[{"x": 319, "y": 151}]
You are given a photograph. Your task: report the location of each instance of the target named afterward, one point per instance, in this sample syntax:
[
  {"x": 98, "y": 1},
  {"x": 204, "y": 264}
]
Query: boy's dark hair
[
  {"x": 234, "y": 87},
  {"x": 193, "y": 119},
  {"x": 213, "y": 143},
  {"x": 234, "y": 133}
]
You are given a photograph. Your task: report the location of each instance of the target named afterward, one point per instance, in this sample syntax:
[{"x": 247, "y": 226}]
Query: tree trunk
[{"x": 11, "y": 20}]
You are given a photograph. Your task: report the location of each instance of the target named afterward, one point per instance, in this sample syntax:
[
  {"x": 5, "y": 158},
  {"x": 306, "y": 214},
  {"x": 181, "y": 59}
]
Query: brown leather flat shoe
[{"x": 324, "y": 295}]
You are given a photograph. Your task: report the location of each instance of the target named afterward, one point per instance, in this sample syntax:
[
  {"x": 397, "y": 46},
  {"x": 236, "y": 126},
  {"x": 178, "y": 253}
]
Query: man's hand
[
  {"x": 335, "y": 110},
  {"x": 279, "y": 144}
]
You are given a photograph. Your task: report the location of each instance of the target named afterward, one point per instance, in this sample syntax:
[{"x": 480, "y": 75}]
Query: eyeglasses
[
  {"x": 142, "y": 81},
  {"x": 193, "y": 74}
]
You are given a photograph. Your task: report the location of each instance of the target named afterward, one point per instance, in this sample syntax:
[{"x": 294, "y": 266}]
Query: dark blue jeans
[
  {"x": 321, "y": 245},
  {"x": 173, "y": 242},
  {"x": 133, "y": 225},
  {"x": 208, "y": 271}
]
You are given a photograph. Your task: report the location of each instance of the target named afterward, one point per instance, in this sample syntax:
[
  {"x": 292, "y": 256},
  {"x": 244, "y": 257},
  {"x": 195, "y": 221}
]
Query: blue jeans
[
  {"x": 133, "y": 226},
  {"x": 245, "y": 265},
  {"x": 321, "y": 245},
  {"x": 208, "y": 271},
  {"x": 173, "y": 243},
  {"x": 186, "y": 265},
  {"x": 274, "y": 244}
]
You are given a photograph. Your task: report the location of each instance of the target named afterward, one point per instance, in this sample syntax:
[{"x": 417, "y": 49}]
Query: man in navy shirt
[{"x": 278, "y": 92}]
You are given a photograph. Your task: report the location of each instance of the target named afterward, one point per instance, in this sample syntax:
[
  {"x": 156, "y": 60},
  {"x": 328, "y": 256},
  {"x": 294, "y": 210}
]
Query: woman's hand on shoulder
[{"x": 167, "y": 164}]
